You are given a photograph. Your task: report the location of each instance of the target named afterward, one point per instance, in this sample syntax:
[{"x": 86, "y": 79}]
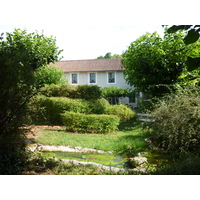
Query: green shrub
[
  {"x": 114, "y": 92},
  {"x": 177, "y": 122},
  {"x": 98, "y": 106},
  {"x": 122, "y": 111},
  {"x": 54, "y": 106},
  {"x": 59, "y": 90},
  {"x": 36, "y": 110},
  {"x": 88, "y": 92},
  {"x": 47, "y": 75},
  {"x": 80, "y": 122}
]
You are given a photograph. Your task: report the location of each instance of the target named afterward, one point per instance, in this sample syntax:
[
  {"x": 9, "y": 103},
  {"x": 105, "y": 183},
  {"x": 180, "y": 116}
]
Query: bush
[
  {"x": 36, "y": 110},
  {"x": 122, "y": 111},
  {"x": 59, "y": 90},
  {"x": 88, "y": 92},
  {"x": 112, "y": 91},
  {"x": 47, "y": 75},
  {"x": 54, "y": 106},
  {"x": 98, "y": 106},
  {"x": 80, "y": 122},
  {"x": 177, "y": 122}
]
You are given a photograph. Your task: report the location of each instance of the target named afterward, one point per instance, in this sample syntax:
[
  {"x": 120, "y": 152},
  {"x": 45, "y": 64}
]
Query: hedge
[
  {"x": 83, "y": 123},
  {"x": 86, "y": 92},
  {"x": 54, "y": 106},
  {"x": 122, "y": 111}
]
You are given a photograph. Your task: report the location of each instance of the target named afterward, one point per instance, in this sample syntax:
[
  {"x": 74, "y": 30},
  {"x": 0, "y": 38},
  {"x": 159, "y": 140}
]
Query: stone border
[
  {"x": 41, "y": 147},
  {"x": 102, "y": 167}
]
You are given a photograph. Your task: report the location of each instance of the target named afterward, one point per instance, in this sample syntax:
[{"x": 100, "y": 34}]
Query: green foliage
[
  {"x": 37, "y": 110},
  {"x": 109, "y": 55},
  {"x": 176, "y": 129},
  {"x": 193, "y": 63},
  {"x": 112, "y": 91},
  {"x": 152, "y": 62},
  {"x": 28, "y": 52},
  {"x": 87, "y": 92},
  {"x": 54, "y": 106},
  {"x": 47, "y": 75},
  {"x": 13, "y": 156},
  {"x": 44, "y": 109},
  {"x": 59, "y": 90},
  {"x": 192, "y": 35},
  {"x": 189, "y": 166},
  {"x": 21, "y": 53},
  {"x": 122, "y": 111},
  {"x": 80, "y": 122},
  {"x": 98, "y": 106}
]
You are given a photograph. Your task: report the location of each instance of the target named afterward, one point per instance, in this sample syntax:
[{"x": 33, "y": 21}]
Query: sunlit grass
[{"x": 129, "y": 139}]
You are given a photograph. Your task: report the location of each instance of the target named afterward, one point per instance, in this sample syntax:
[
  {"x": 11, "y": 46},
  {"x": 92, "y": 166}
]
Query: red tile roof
[{"x": 96, "y": 65}]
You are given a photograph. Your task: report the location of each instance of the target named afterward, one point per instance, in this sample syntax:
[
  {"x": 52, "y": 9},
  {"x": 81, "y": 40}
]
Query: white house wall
[{"x": 102, "y": 81}]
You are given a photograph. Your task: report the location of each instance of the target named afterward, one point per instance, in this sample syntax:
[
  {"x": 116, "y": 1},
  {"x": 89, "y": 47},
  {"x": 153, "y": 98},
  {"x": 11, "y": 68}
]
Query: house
[{"x": 101, "y": 72}]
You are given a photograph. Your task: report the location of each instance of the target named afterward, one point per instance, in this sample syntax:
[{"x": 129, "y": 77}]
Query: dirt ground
[{"x": 32, "y": 132}]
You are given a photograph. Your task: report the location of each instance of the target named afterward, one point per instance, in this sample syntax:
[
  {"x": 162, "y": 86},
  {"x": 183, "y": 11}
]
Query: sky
[{"x": 86, "y": 29}]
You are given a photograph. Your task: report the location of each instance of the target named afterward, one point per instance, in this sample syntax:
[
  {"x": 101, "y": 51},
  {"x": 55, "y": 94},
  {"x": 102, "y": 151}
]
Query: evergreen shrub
[
  {"x": 87, "y": 92},
  {"x": 59, "y": 90},
  {"x": 98, "y": 106},
  {"x": 54, "y": 106},
  {"x": 176, "y": 128},
  {"x": 83, "y": 123},
  {"x": 124, "y": 112}
]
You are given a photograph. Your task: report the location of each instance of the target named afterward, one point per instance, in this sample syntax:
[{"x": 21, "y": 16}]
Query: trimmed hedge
[
  {"x": 54, "y": 106},
  {"x": 83, "y": 123},
  {"x": 87, "y": 92},
  {"x": 98, "y": 106},
  {"x": 44, "y": 109},
  {"x": 122, "y": 111}
]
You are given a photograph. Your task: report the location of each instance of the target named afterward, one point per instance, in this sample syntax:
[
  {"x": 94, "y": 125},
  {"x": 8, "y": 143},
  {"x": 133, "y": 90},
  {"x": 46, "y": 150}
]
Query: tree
[
  {"x": 109, "y": 55},
  {"x": 21, "y": 53},
  {"x": 193, "y": 63},
  {"x": 47, "y": 75},
  {"x": 152, "y": 62}
]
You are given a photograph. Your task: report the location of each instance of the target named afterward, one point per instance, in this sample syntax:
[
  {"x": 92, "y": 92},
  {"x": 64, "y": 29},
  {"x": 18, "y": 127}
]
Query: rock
[
  {"x": 68, "y": 149},
  {"x": 31, "y": 147},
  {"x": 137, "y": 161}
]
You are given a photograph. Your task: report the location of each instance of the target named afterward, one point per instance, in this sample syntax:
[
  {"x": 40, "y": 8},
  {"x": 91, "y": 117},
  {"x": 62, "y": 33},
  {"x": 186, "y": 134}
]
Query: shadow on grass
[
  {"x": 129, "y": 126},
  {"x": 130, "y": 145}
]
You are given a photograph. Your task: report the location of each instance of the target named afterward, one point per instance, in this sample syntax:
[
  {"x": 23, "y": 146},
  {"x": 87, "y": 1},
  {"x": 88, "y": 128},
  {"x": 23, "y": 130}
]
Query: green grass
[{"x": 129, "y": 139}]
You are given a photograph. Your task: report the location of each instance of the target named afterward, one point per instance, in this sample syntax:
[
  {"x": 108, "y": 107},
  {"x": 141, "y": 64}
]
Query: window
[
  {"x": 92, "y": 78},
  {"x": 111, "y": 77},
  {"x": 74, "y": 78},
  {"x": 132, "y": 99}
]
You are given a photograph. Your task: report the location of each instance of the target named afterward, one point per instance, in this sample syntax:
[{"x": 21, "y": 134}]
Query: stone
[{"x": 137, "y": 161}]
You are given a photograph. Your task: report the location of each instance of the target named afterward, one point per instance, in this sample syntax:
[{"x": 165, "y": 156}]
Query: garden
[
  {"x": 37, "y": 100},
  {"x": 170, "y": 143}
]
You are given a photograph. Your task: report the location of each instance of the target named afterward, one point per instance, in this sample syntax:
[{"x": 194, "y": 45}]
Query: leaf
[
  {"x": 192, "y": 63},
  {"x": 191, "y": 37},
  {"x": 192, "y": 120},
  {"x": 175, "y": 28}
]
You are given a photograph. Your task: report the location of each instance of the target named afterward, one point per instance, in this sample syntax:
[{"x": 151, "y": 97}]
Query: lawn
[{"x": 128, "y": 140}]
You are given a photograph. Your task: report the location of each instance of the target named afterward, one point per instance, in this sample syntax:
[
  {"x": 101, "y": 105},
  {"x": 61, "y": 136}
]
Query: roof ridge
[{"x": 88, "y": 59}]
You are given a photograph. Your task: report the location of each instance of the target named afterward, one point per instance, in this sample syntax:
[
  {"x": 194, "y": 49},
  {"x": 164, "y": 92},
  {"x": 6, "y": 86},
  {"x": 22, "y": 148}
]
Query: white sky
[{"x": 86, "y": 29}]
